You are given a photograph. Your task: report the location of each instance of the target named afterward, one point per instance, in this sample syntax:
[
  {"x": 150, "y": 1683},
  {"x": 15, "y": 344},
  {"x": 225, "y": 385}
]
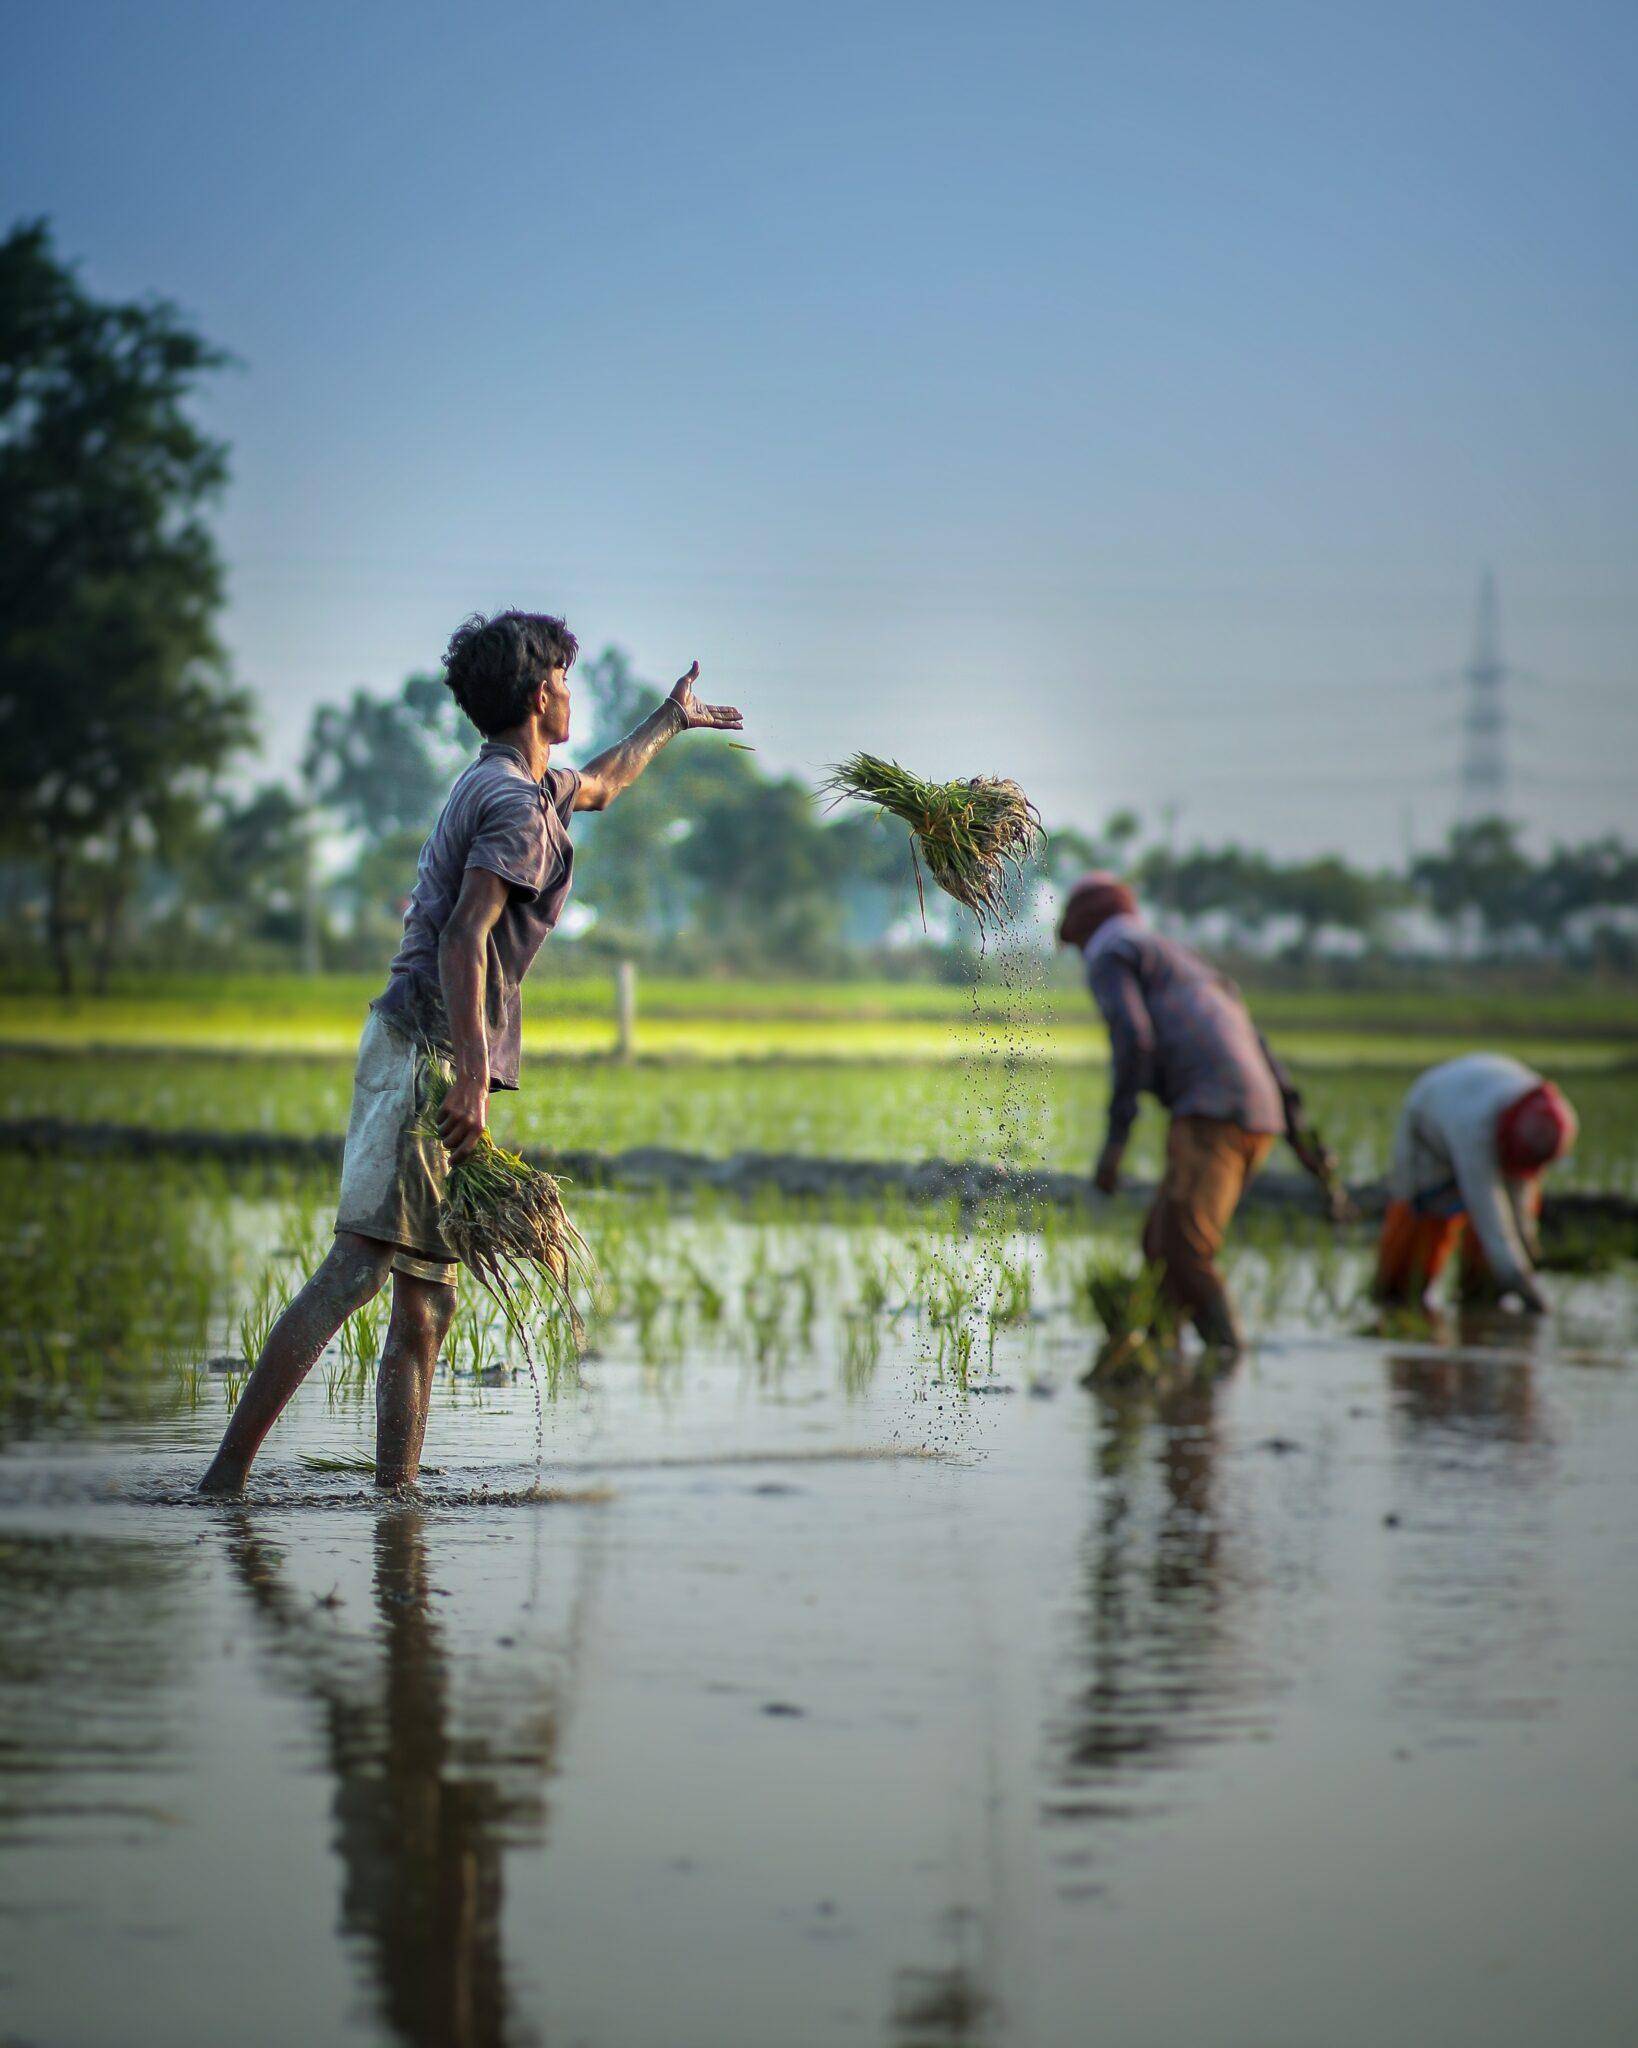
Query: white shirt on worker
[{"x": 1445, "y": 1156}]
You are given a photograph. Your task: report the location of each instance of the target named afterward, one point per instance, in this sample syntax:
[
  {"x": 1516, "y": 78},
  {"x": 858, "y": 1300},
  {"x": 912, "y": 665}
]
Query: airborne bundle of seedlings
[
  {"x": 974, "y": 836},
  {"x": 506, "y": 1223}
]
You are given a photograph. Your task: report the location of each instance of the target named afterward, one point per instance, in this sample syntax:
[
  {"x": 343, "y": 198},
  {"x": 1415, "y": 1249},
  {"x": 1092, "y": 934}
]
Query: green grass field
[
  {"x": 868, "y": 1021},
  {"x": 852, "y": 1109},
  {"x": 868, "y": 1070}
]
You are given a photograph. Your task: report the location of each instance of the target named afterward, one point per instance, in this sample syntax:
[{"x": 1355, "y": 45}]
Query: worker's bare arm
[
  {"x": 1489, "y": 1211},
  {"x": 1313, "y": 1156},
  {"x": 618, "y": 767},
  {"x": 462, "y": 968},
  {"x": 1119, "y": 995}
]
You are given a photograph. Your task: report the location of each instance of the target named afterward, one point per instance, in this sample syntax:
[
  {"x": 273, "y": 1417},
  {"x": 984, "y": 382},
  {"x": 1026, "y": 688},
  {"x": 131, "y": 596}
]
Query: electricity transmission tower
[{"x": 1484, "y": 778}]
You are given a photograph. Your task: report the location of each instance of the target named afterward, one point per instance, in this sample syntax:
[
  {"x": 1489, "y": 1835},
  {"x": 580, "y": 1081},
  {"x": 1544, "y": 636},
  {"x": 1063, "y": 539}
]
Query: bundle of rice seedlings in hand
[
  {"x": 506, "y": 1223},
  {"x": 973, "y": 835},
  {"x": 1140, "y": 1325}
]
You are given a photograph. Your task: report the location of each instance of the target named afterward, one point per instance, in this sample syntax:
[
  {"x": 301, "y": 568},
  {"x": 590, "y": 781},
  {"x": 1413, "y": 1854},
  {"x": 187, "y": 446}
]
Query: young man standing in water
[{"x": 490, "y": 885}]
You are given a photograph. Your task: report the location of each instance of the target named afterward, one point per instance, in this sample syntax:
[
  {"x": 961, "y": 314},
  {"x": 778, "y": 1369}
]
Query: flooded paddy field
[
  {"x": 1050, "y": 1116},
  {"x": 831, "y": 1667}
]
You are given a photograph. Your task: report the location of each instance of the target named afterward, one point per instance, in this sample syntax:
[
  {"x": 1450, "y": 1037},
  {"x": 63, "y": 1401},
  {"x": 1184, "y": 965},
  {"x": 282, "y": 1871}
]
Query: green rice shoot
[
  {"x": 360, "y": 1464},
  {"x": 505, "y": 1221},
  {"x": 1140, "y": 1325},
  {"x": 974, "y": 836}
]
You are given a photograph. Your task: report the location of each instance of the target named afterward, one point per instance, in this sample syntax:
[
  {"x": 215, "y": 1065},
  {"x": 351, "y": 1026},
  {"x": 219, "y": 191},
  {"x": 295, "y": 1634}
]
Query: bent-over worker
[
  {"x": 1180, "y": 1031},
  {"x": 1475, "y": 1136}
]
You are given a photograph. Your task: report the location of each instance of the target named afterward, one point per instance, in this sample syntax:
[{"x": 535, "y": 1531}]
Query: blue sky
[{"x": 1123, "y": 397}]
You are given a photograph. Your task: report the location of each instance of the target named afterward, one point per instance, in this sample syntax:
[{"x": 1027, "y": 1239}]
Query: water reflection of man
[
  {"x": 1157, "y": 1653},
  {"x": 420, "y": 1822}
]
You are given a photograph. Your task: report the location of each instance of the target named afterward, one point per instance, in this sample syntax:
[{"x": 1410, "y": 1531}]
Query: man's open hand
[
  {"x": 717, "y": 717},
  {"x": 462, "y": 1116}
]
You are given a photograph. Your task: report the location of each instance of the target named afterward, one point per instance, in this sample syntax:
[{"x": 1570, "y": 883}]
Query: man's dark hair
[{"x": 493, "y": 665}]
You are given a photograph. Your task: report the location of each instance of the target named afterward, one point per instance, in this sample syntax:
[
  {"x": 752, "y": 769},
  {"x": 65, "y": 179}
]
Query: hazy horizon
[{"x": 1127, "y": 400}]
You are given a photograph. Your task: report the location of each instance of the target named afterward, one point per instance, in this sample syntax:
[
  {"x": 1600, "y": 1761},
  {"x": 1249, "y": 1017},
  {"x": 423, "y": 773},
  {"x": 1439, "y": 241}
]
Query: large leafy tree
[
  {"x": 251, "y": 864},
  {"x": 1483, "y": 873},
  {"x": 115, "y": 707},
  {"x": 629, "y": 876},
  {"x": 1601, "y": 874},
  {"x": 709, "y": 844},
  {"x": 383, "y": 765},
  {"x": 1327, "y": 894}
]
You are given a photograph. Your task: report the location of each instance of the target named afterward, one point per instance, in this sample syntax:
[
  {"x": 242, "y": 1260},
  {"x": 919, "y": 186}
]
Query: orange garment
[
  {"x": 1208, "y": 1166},
  {"x": 1415, "y": 1248}
]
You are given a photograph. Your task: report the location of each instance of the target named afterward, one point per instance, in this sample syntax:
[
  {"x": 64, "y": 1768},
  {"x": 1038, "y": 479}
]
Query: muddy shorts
[{"x": 392, "y": 1174}]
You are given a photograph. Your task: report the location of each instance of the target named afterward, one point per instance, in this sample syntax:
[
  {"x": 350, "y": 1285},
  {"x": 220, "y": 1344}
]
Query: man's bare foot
[{"x": 222, "y": 1481}]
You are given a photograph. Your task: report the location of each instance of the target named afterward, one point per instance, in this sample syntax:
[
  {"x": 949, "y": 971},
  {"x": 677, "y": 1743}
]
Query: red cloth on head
[
  {"x": 1093, "y": 900},
  {"x": 1534, "y": 1131}
]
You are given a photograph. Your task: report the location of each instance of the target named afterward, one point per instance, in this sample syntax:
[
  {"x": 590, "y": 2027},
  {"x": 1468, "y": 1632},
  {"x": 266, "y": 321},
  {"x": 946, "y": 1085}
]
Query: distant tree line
[
  {"x": 1482, "y": 895},
  {"x": 123, "y": 834}
]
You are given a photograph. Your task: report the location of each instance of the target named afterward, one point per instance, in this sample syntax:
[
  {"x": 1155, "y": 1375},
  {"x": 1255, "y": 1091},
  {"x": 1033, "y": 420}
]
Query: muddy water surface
[{"x": 1295, "y": 1710}]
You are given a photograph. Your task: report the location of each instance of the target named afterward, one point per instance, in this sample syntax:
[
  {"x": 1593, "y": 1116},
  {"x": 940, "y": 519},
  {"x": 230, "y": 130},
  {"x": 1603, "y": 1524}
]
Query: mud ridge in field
[{"x": 799, "y": 1175}]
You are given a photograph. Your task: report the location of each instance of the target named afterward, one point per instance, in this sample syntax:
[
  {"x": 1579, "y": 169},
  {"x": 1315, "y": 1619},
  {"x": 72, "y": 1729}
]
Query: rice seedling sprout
[
  {"x": 506, "y": 1223},
  {"x": 1140, "y": 1324}
]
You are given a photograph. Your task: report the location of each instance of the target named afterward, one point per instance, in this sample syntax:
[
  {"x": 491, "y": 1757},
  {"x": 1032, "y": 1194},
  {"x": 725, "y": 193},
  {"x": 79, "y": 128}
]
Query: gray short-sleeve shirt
[{"x": 496, "y": 817}]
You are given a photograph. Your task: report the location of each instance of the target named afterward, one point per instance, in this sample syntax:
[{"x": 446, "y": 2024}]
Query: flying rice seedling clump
[
  {"x": 505, "y": 1221},
  {"x": 974, "y": 836}
]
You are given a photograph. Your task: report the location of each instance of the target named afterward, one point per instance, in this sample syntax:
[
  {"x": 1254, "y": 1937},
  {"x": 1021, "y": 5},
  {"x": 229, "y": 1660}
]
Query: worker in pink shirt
[{"x": 1180, "y": 1031}]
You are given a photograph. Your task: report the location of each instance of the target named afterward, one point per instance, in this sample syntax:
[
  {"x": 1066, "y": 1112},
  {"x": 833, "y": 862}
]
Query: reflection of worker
[
  {"x": 423, "y": 1807},
  {"x": 1467, "y": 1393},
  {"x": 1155, "y": 1643},
  {"x": 1474, "y": 1138},
  {"x": 1179, "y": 1030}
]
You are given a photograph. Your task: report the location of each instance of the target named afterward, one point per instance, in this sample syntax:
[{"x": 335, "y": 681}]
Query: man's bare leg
[
  {"x": 422, "y": 1311},
  {"x": 351, "y": 1275}
]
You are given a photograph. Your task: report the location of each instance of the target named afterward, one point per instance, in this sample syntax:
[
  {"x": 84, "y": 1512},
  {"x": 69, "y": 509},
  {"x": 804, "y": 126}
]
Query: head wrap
[
  {"x": 1093, "y": 900},
  {"x": 1534, "y": 1131}
]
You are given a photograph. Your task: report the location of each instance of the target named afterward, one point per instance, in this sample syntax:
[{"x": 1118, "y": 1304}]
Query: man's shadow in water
[
  {"x": 422, "y": 1818},
  {"x": 1155, "y": 1632}
]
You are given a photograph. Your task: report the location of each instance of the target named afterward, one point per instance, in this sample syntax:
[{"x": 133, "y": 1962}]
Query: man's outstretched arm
[{"x": 618, "y": 767}]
